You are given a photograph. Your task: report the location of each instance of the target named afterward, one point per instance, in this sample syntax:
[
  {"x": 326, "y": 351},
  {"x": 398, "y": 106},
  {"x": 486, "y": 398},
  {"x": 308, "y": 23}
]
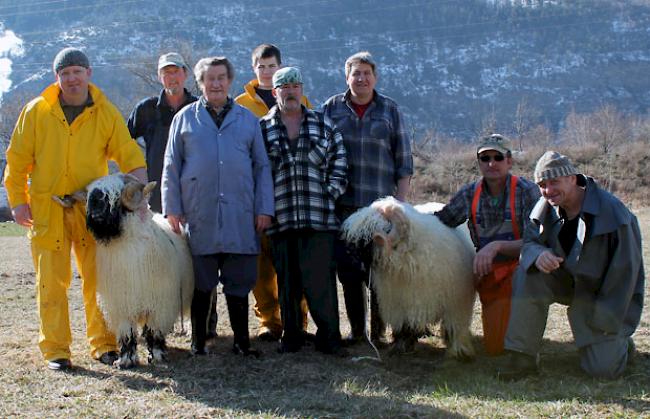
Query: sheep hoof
[
  {"x": 127, "y": 362},
  {"x": 402, "y": 347},
  {"x": 157, "y": 356},
  {"x": 238, "y": 350}
]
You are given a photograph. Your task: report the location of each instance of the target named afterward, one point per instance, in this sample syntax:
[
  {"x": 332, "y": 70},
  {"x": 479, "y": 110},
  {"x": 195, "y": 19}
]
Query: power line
[
  {"x": 429, "y": 40},
  {"x": 187, "y": 16},
  {"x": 114, "y": 4}
]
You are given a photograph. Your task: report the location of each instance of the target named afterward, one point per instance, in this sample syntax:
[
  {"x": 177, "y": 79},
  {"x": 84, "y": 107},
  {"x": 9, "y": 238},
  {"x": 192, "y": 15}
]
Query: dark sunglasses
[{"x": 486, "y": 158}]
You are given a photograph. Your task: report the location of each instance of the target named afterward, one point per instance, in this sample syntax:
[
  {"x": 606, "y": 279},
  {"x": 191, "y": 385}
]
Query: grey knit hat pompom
[
  {"x": 69, "y": 56},
  {"x": 553, "y": 164}
]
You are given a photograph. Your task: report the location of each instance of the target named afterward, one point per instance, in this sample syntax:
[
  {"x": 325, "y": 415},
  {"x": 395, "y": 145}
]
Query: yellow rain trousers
[{"x": 53, "y": 273}]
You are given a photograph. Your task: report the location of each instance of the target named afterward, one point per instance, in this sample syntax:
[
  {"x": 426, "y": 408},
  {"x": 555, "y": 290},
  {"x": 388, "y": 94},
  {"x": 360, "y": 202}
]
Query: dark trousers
[
  {"x": 353, "y": 270},
  {"x": 303, "y": 260},
  {"x": 237, "y": 273}
]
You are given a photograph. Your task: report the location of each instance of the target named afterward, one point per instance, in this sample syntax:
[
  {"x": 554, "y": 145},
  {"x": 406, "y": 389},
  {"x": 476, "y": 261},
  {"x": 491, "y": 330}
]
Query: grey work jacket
[{"x": 605, "y": 262}]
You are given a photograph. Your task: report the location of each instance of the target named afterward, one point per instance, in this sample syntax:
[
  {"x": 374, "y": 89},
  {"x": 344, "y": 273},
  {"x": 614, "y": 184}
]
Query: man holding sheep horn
[
  {"x": 62, "y": 141},
  {"x": 497, "y": 207}
]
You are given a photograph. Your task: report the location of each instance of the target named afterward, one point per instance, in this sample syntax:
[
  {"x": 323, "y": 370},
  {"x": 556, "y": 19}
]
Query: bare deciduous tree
[{"x": 525, "y": 117}]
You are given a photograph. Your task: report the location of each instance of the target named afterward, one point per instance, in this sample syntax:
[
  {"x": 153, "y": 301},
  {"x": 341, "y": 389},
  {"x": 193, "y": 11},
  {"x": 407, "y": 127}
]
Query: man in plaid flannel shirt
[
  {"x": 380, "y": 164},
  {"x": 308, "y": 163}
]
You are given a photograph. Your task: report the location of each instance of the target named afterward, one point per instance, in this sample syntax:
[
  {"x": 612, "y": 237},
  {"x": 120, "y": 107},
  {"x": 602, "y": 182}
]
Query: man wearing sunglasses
[{"x": 497, "y": 207}]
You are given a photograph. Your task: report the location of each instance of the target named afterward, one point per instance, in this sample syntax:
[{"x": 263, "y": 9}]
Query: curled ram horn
[
  {"x": 149, "y": 188},
  {"x": 383, "y": 240},
  {"x": 399, "y": 223},
  {"x": 132, "y": 194},
  {"x": 68, "y": 200}
]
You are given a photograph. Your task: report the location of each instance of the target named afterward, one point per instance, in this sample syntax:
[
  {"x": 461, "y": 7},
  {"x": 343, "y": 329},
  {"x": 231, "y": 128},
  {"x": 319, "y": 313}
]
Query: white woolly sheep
[
  {"x": 421, "y": 269},
  {"x": 144, "y": 269}
]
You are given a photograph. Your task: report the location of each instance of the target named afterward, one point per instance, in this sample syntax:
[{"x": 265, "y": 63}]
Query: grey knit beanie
[
  {"x": 69, "y": 56},
  {"x": 553, "y": 164}
]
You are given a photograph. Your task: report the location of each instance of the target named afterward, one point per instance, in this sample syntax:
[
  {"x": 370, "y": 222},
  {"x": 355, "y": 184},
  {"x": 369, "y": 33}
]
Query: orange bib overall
[{"x": 495, "y": 289}]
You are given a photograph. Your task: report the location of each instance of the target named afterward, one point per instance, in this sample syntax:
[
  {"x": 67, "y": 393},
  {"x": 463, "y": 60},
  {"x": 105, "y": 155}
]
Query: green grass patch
[{"x": 11, "y": 229}]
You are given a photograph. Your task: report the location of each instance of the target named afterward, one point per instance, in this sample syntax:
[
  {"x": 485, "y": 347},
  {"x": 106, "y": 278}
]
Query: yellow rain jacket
[
  {"x": 48, "y": 157},
  {"x": 251, "y": 101}
]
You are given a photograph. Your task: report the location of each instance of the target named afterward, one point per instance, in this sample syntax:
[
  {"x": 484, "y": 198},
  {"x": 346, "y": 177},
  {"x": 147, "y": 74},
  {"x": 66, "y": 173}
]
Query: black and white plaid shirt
[{"x": 308, "y": 183}]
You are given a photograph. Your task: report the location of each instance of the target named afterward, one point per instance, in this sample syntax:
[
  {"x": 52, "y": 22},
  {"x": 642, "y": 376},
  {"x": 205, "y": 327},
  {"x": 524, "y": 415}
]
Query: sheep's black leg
[
  {"x": 156, "y": 345},
  {"x": 405, "y": 340},
  {"x": 128, "y": 350}
]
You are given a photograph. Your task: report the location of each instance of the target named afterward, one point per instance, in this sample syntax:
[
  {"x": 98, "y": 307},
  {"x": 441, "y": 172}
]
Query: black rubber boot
[
  {"x": 212, "y": 321},
  {"x": 238, "y": 312},
  {"x": 355, "y": 307},
  {"x": 200, "y": 311}
]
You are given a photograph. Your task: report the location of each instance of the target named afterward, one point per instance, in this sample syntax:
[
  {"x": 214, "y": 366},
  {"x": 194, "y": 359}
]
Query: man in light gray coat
[
  {"x": 217, "y": 182},
  {"x": 582, "y": 248}
]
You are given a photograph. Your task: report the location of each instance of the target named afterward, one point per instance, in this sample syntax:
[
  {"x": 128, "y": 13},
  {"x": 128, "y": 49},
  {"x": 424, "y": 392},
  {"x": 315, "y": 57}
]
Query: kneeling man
[{"x": 582, "y": 248}]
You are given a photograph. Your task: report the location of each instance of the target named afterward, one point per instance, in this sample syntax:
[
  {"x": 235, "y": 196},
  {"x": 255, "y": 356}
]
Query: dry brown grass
[
  {"x": 441, "y": 170},
  {"x": 304, "y": 384}
]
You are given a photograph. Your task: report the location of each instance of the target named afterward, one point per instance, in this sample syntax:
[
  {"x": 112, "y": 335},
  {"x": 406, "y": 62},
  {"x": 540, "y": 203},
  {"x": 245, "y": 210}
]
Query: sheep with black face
[{"x": 144, "y": 270}]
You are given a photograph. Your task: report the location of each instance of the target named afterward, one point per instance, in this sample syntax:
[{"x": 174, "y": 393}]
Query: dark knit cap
[
  {"x": 553, "y": 164},
  {"x": 69, "y": 56}
]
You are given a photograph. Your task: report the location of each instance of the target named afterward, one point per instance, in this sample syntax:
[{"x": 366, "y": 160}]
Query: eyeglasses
[{"x": 487, "y": 159}]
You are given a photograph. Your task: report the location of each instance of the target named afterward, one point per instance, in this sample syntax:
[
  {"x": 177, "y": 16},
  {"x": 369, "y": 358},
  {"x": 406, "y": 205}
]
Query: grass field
[
  {"x": 306, "y": 384},
  {"x": 11, "y": 230}
]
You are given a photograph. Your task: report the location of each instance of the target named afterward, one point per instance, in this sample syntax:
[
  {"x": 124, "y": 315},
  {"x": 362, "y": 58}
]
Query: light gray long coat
[{"x": 218, "y": 179}]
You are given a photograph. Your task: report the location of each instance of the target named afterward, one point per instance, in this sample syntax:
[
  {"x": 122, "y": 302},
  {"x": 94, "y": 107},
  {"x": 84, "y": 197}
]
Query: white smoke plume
[{"x": 11, "y": 46}]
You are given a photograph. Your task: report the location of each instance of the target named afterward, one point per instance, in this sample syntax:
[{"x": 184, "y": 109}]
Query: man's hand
[
  {"x": 175, "y": 221},
  {"x": 23, "y": 215},
  {"x": 403, "y": 186},
  {"x": 547, "y": 262},
  {"x": 140, "y": 173},
  {"x": 484, "y": 258},
  {"x": 262, "y": 222}
]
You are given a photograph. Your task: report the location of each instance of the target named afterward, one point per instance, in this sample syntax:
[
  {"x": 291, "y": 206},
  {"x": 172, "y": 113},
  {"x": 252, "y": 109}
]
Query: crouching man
[
  {"x": 497, "y": 207},
  {"x": 309, "y": 173},
  {"x": 582, "y": 248}
]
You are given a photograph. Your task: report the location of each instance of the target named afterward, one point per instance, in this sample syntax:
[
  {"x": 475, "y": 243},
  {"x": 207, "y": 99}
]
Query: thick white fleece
[
  {"x": 425, "y": 274},
  {"x": 145, "y": 275}
]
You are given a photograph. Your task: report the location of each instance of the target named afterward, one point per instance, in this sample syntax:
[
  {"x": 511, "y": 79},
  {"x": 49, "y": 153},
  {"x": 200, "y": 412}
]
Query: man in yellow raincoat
[{"x": 62, "y": 141}]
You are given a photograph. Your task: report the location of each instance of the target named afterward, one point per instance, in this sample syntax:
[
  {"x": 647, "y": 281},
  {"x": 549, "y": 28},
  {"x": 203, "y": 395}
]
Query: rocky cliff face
[{"x": 451, "y": 64}]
